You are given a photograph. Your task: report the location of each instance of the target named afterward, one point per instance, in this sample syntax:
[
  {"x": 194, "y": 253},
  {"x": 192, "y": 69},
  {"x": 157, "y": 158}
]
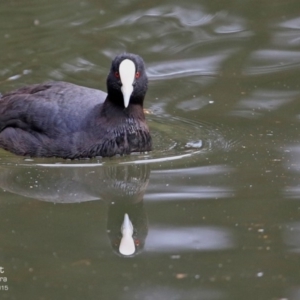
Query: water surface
[{"x": 216, "y": 200}]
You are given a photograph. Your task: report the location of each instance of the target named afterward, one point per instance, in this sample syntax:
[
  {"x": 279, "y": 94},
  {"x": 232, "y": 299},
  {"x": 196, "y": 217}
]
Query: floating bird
[{"x": 60, "y": 119}]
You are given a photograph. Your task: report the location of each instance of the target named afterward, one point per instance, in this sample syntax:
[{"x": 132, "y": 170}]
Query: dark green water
[{"x": 217, "y": 199}]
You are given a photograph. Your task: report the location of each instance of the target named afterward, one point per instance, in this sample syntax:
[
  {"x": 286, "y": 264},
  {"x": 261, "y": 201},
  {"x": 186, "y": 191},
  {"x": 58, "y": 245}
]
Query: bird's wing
[{"x": 51, "y": 108}]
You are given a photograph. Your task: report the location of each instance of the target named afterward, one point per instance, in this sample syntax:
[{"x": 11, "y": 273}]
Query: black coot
[{"x": 65, "y": 120}]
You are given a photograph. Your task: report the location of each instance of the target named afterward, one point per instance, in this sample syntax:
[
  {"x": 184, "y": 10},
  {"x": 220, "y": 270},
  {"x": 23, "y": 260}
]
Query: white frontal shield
[{"x": 127, "y": 75}]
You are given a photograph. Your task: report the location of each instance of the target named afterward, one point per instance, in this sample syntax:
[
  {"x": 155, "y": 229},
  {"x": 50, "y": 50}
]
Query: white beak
[
  {"x": 127, "y": 75},
  {"x": 127, "y": 246}
]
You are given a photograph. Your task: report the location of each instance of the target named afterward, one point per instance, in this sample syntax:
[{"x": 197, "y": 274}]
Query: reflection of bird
[
  {"x": 126, "y": 187},
  {"x": 122, "y": 186},
  {"x": 124, "y": 183},
  {"x": 65, "y": 120},
  {"x": 129, "y": 238}
]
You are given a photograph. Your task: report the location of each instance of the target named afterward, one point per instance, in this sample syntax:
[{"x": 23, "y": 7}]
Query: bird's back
[{"x": 51, "y": 107}]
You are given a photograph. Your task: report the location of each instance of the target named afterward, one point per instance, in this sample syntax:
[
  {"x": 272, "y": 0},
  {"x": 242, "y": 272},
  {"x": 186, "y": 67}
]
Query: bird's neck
[{"x": 115, "y": 108}]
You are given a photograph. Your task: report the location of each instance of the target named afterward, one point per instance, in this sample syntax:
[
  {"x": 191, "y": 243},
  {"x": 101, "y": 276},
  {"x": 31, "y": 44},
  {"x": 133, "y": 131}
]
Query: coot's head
[{"x": 127, "y": 80}]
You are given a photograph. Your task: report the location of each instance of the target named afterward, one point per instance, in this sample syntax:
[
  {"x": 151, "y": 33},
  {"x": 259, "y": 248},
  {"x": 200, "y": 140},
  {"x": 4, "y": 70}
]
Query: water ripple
[
  {"x": 176, "y": 239},
  {"x": 270, "y": 61},
  {"x": 208, "y": 65}
]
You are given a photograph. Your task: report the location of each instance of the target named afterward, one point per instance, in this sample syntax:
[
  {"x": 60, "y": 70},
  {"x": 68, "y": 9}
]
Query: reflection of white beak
[
  {"x": 127, "y": 246},
  {"x": 127, "y": 75}
]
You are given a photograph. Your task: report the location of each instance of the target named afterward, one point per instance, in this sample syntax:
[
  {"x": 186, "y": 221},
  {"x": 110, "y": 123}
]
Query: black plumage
[{"x": 59, "y": 119}]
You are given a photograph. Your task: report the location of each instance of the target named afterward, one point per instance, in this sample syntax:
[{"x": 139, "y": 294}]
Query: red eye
[
  {"x": 137, "y": 75},
  {"x": 117, "y": 75},
  {"x": 137, "y": 242}
]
